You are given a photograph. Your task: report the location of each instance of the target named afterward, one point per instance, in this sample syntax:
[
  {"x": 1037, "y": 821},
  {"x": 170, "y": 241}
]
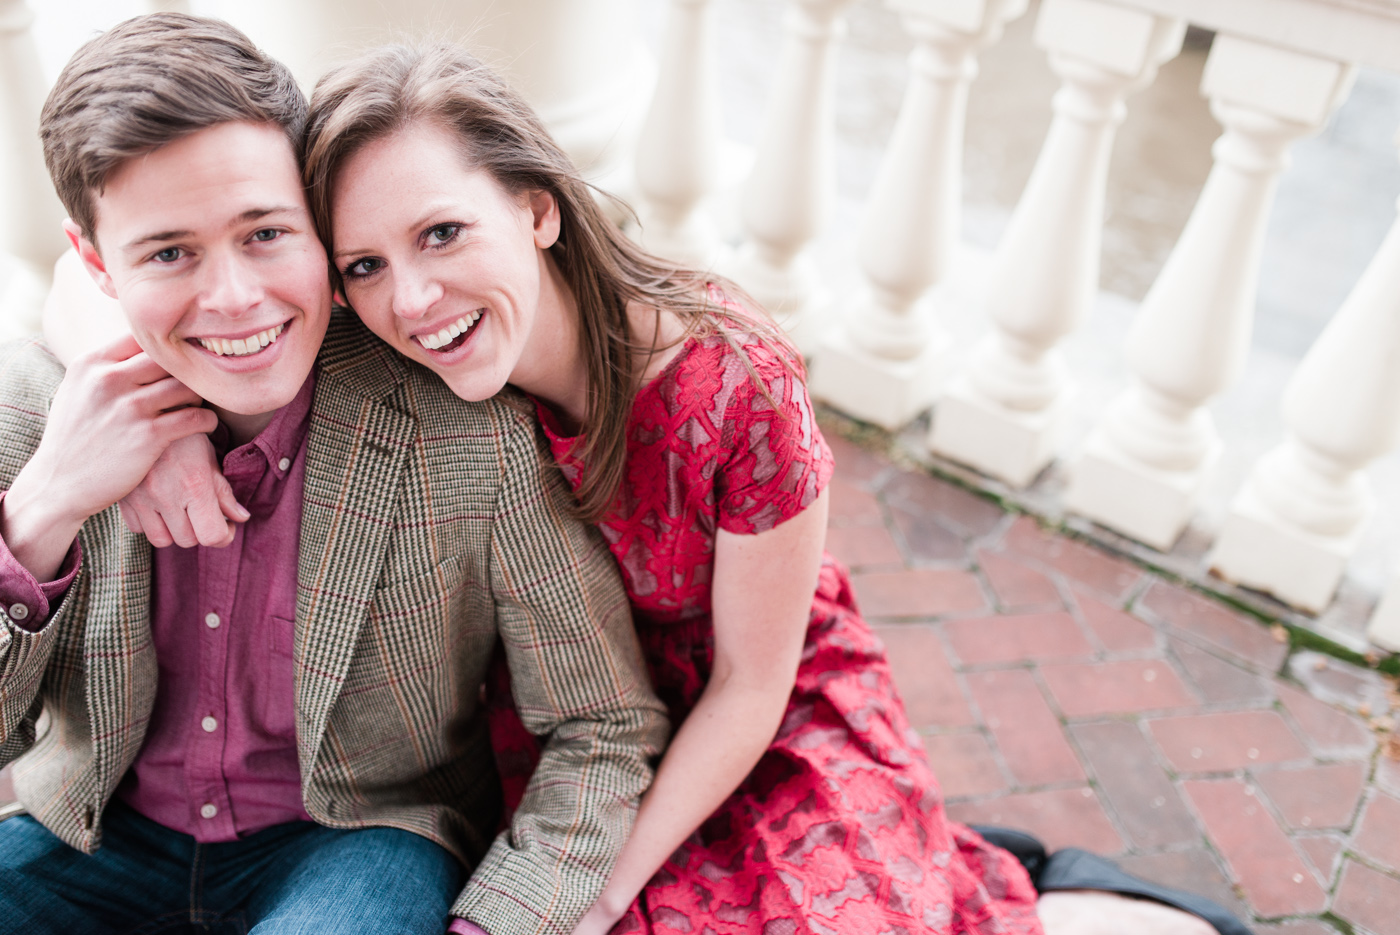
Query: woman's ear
[{"x": 545, "y": 209}]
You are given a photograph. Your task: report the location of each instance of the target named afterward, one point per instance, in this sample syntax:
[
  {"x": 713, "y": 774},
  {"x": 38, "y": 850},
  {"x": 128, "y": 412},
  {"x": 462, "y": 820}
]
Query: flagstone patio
[
  {"x": 1070, "y": 692},
  {"x": 1067, "y": 691}
]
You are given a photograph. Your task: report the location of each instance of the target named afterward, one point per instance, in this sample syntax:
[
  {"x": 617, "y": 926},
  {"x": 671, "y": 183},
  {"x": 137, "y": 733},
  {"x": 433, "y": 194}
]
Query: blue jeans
[{"x": 297, "y": 878}]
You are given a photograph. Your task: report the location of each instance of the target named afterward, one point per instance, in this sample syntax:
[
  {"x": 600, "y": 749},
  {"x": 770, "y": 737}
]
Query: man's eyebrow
[
  {"x": 162, "y": 237},
  {"x": 252, "y": 214},
  {"x": 257, "y": 214}
]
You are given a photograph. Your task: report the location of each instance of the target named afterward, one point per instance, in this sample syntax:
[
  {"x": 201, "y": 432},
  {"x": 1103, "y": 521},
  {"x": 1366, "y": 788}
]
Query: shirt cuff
[
  {"x": 463, "y": 927},
  {"x": 25, "y": 600}
]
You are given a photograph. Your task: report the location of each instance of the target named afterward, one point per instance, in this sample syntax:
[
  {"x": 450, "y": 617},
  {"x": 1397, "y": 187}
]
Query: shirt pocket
[{"x": 279, "y": 699}]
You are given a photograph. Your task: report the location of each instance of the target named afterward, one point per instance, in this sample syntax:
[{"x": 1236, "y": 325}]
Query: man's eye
[
  {"x": 168, "y": 255},
  {"x": 266, "y": 234}
]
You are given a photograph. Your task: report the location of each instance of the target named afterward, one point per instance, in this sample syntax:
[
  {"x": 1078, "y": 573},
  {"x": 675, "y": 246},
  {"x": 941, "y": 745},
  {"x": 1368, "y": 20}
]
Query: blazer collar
[{"x": 362, "y": 428}]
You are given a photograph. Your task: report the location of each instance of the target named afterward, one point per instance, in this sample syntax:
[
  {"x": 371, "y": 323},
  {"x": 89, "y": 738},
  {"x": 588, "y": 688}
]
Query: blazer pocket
[
  {"x": 413, "y": 596},
  {"x": 410, "y": 628}
]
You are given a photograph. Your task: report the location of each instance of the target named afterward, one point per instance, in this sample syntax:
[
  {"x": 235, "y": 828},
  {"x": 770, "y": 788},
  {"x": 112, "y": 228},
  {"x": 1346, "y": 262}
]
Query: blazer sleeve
[
  {"x": 29, "y": 376},
  {"x": 579, "y": 680}
]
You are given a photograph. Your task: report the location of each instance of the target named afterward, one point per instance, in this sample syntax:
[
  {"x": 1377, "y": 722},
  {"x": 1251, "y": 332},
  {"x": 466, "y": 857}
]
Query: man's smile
[{"x": 242, "y": 347}]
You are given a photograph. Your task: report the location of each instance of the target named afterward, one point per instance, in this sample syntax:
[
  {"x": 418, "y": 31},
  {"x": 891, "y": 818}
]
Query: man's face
[{"x": 208, "y": 245}]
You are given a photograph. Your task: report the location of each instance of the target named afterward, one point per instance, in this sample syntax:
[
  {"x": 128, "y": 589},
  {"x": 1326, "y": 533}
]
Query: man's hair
[{"x": 151, "y": 81}]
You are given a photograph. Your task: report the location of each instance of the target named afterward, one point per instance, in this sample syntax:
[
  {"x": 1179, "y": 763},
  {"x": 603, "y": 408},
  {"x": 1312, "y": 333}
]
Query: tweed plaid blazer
[{"x": 430, "y": 526}]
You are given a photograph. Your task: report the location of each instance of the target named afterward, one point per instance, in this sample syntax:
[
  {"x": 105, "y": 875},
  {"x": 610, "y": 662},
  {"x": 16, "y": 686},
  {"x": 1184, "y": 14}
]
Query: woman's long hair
[{"x": 394, "y": 87}]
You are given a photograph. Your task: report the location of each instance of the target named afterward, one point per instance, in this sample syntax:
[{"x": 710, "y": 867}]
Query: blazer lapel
[{"x": 359, "y": 438}]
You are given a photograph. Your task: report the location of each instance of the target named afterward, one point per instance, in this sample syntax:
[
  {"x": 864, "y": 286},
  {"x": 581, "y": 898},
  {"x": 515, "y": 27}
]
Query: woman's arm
[
  {"x": 761, "y": 601},
  {"x": 185, "y": 499}
]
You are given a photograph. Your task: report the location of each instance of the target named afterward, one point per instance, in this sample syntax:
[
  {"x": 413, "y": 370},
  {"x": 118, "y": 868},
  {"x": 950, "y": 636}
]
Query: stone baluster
[
  {"x": 1003, "y": 415},
  {"x": 1384, "y": 628},
  {"x": 678, "y": 149},
  {"x": 784, "y": 201},
  {"x": 32, "y": 231},
  {"x": 1300, "y": 514},
  {"x": 883, "y": 362},
  {"x": 1142, "y": 469}
]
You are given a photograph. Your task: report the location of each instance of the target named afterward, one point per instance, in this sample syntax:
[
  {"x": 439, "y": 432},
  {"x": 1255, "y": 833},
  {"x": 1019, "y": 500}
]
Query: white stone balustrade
[
  {"x": 582, "y": 64},
  {"x": 785, "y": 200},
  {"x": 884, "y": 362},
  {"x": 32, "y": 216},
  {"x": 1142, "y": 469},
  {"x": 678, "y": 152},
  {"x": 1298, "y": 518},
  {"x": 1005, "y": 413}
]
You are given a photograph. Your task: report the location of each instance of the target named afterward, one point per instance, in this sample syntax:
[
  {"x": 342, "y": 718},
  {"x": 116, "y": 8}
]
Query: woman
[
  {"x": 463, "y": 237},
  {"x": 794, "y": 797}
]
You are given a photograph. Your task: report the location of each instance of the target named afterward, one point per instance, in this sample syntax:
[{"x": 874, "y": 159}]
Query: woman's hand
[
  {"x": 114, "y": 414},
  {"x": 600, "y": 919},
  {"x": 185, "y": 499}
]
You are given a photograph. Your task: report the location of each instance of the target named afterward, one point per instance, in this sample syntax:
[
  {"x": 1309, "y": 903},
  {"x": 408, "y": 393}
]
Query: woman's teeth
[
  {"x": 449, "y": 334},
  {"x": 243, "y": 346}
]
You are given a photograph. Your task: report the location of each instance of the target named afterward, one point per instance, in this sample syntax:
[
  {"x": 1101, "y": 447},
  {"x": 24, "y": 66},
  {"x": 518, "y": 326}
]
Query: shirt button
[
  {"x": 208, "y": 810},
  {"x": 209, "y": 724},
  {"x": 211, "y": 620},
  {"x": 19, "y": 612},
  {"x": 284, "y": 464}
]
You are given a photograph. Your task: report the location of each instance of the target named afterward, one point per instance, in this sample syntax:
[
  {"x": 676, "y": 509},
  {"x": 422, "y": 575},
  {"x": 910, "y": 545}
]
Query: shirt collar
[{"x": 280, "y": 441}]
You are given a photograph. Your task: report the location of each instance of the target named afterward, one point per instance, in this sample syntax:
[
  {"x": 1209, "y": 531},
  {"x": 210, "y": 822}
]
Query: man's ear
[
  {"x": 545, "y": 209},
  {"x": 92, "y": 260}
]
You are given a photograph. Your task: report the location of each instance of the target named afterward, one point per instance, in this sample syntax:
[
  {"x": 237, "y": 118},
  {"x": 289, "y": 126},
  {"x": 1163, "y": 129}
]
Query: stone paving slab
[{"x": 1067, "y": 691}]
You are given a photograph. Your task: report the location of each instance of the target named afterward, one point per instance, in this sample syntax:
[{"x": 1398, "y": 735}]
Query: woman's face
[{"x": 440, "y": 261}]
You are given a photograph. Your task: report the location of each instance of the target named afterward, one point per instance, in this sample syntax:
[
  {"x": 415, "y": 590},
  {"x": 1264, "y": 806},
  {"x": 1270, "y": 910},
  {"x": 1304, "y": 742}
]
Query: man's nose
[
  {"x": 415, "y": 294},
  {"x": 232, "y": 287}
]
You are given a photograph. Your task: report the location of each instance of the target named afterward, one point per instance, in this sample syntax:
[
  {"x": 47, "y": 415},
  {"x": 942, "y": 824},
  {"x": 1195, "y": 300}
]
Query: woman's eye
[
  {"x": 168, "y": 255},
  {"x": 266, "y": 234},
  {"x": 362, "y": 267},
  {"x": 442, "y": 234}
]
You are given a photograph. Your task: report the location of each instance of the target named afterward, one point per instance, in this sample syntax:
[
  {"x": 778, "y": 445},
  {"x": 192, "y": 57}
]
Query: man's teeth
[
  {"x": 447, "y": 335},
  {"x": 242, "y": 347}
]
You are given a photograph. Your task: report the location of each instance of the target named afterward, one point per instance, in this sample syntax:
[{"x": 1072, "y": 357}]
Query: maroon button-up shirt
[{"x": 220, "y": 755}]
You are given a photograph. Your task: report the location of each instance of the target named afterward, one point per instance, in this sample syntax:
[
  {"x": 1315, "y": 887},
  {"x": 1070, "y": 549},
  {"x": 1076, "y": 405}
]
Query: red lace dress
[{"x": 840, "y": 828}]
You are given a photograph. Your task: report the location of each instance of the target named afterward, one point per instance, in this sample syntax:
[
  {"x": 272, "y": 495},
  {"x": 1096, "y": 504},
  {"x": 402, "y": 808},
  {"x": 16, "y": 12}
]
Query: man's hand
[
  {"x": 185, "y": 499},
  {"x": 113, "y": 415}
]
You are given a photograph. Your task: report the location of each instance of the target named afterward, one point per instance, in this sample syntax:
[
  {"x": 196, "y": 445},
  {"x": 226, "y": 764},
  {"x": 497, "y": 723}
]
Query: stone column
[
  {"x": 33, "y": 228},
  {"x": 1003, "y": 415},
  {"x": 784, "y": 201},
  {"x": 1300, "y": 514},
  {"x": 678, "y": 151},
  {"x": 883, "y": 362},
  {"x": 1143, "y": 467}
]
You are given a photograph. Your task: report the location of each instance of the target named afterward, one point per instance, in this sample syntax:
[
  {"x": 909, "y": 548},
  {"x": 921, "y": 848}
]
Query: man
[{"x": 284, "y": 734}]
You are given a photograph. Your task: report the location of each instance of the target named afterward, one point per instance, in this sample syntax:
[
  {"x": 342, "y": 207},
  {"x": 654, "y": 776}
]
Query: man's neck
[{"x": 243, "y": 428}]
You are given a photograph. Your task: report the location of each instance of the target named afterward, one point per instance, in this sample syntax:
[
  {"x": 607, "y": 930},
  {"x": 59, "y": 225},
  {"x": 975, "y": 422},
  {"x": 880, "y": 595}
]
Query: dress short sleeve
[{"x": 777, "y": 462}]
